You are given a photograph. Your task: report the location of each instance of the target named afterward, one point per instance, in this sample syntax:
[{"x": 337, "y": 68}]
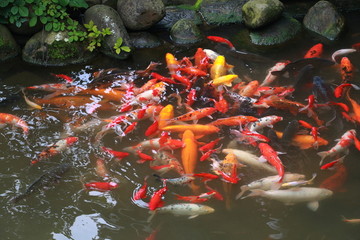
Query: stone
[
  {"x": 144, "y": 40},
  {"x": 222, "y": 12},
  {"x": 278, "y": 32},
  {"x": 140, "y": 14},
  {"x": 8, "y": 46},
  {"x": 185, "y": 31},
  {"x": 54, "y": 49},
  {"x": 259, "y": 13},
  {"x": 174, "y": 14},
  {"x": 106, "y": 17},
  {"x": 324, "y": 19}
]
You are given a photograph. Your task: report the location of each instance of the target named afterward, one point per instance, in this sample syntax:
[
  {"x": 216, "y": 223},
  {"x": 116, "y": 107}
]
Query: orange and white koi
[
  {"x": 351, "y": 220},
  {"x": 191, "y": 97},
  {"x": 7, "y": 118},
  {"x": 270, "y": 77},
  {"x": 314, "y": 131},
  {"x": 250, "y": 89},
  {"x": 271, "y": 156},
  {"x": 194, "y": 115},
  {"x": 315, "y": 51},
  {"x": 342, "y": 146},
  {"x": 341, "y": 52},
  {"x": 55, "y": 149}
]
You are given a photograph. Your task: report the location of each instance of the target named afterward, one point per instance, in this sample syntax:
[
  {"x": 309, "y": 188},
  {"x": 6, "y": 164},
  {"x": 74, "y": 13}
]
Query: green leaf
[
  {"x": 43, "y": 20},
  {"x": 39, "y": 12},
  {"x": 4, "y": 3},
  {"x": 33, "y": 21},
  {"x": 118, "y": 50},
  {"x": 64, "y": 3},
  {"x": 48, "y": 27},
  {"x": 119, "y": 41},
  {"x": 14, "y": 10},
  {"x": 29, "y": 1},
  {"x": 78, "y": 4},
  {"x": 12, "y": 19},
  {"x": 24, "y": 11},
  {"x": 18, "y": 24},
  {"x": 125, "y": 48}
]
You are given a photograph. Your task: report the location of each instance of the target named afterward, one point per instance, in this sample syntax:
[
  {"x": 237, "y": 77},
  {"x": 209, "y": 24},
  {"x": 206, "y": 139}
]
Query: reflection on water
[{"x": 67, "y": 211}]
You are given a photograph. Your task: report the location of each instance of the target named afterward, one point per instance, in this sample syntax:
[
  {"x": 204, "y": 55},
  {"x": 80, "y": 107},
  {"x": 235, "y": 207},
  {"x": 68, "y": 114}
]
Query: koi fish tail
[
  {"x": 241, "y": 193},
  {"x": 323, "y": 155}
]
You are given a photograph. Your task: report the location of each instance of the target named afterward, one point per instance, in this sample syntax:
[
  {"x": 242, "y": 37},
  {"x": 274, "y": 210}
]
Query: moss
[{"x": 62, "y": 50}]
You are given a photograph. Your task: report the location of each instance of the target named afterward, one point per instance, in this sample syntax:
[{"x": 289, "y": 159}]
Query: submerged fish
[
  {"x": 47, "y": 179},
  {"x": 186, "y": 209}
]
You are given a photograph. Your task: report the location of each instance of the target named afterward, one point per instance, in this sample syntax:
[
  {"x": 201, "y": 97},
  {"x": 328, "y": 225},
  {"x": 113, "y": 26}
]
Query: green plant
[
  {"x": 194, "y": 7},
  {"x": 118, "y": 48},
  {"x": 95, "y": 36}
]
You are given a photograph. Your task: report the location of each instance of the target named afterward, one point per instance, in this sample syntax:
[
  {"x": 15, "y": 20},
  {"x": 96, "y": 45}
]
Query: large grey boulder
[
  {"x": 140, "y": 14},
  {"x": 106, "y": 17},
  {"x": 276, "y": 33},
  {"x": 258, "y": 13},
  {"x": 185, "y": 31},
  {"x": 8, "y": 46},
  {"x": 324, "y": 19},
  {"x": 54, "y": 49}
]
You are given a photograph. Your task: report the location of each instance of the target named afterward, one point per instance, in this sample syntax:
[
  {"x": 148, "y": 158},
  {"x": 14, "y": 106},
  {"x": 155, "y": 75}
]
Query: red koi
[
  {"x": 221, "y": 40},
  {"x": 272, "y": 157},
  {"x": 221, "y": 105},
  {"x": 192, "y": 199},
  {"x": 332, "y": 163},
  {"x": 339, "y": 89},
  {"x": 191, "y": 97},
  {"x": 183, "y": 80},
  {"x": 206, "y": 155},
  {"x": 206, "y": 176},
  {"x": 315, "y": 51},
  {"x": 144, "y": 157},
  {"x": 202, "y": 61},
  {"x": 130, "y": 128},
  {"x": 210, "y": 145},
  {"x": 152, "y": 129},
  {"x": 162, "y": 78},
  {"x": 63, "y": 76},
  {"x": 116, "y": 154},
  {"x": 101, "y": 186},
  {"x": 193, "y": 71},
  {"x": 156, "y": 199},
  {"x": 141, "y": 192},
  {"x": 233, "y": 178}
]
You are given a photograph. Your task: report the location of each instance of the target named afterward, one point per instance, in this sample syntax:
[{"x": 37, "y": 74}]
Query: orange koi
[
  {"x": 355, "y": 108},
  {"x": 194, "y": 115},
  {"x": 189, "y": 153},
  {"x": 171, "y": 63},
  {"x": 201, "y": 59},
  {"x": 197, "y": 129},
  {"x": 234, "y": 121},
  {"x": 304, "y": 141},
  {"x": 221, "y": 105},
  {"x": 346, "y": 69},
  {"x": 221, "y": 40},
  {"x": 193, "y": 71},
  {"x": 250, "y": 89},
  {"x": 7, "y": 118},
  {"x": 315, "y": 51},
  {"x": 100, "y": 169},
  {"x": 165, "y": 115},
  {"x": 336, "y": 181}
]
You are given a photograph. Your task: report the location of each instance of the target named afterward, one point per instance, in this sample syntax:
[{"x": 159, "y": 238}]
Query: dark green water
[{"x": 67, "y": 211}]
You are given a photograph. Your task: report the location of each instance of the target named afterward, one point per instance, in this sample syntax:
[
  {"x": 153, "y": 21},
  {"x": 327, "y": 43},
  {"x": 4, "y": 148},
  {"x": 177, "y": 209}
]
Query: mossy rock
[
  {"x": 258, "y": 13},
  {"x": 278, "y": 32},
  {"x": 8, "y": 46},
  {"x": 174, "y": 14},
  {"x": 185, "y": 31},
  {"x": 222, "y": 12},
  {"x": 54, "y": 49}
]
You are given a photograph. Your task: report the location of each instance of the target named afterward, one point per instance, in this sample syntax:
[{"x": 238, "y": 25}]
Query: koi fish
[
  {"x": 304, "y": 141},
  {"x": 250, "y": 160},
  {"x": 249, "y": 137},
  {"x": 55, "y": 149},
  {"x": 201, "y": 59},
  {"x": 197, "y": 129},
  {"x": 101, "y": 170},
  {"x": 194, "y": 115},
  {"x": 250, "y": 89},
  {"x": 342, "y": 146},
  {"x": 207, "y": 147},
  {"x": 141, "y": 192},
  {"x": 189, "y": 153},
  {"x": 65, "y": 77},
  {"x": 298, "y": 183},
  {"x": 183, "y": 180},
  {"x": 224, "y": 80},
  {"x": 186, "y": 209},
  {"x": 339, "y": 89},
  {"x": 272, "y": 157},
  {"x": 341, "y": 52},
  {"x": 221, "y": 40},
  {"x": 171, "y": 63},
  {"x": 351, "y": 220},
  {"x": 315, "y": 51},
  {"x": 101, "y": 186},
  {"x": 44, "y": 181},
  {"x": 116, "y": 154},
  {"x": 206, "y": 176},
  {"x": 279, "y": 66},
  {"x": 332, "y": 163},
  {"x": 269, "y": 183},
  {"x": 292, "y": 196},
  {"x": 234, "y": 121},
  {"x": 346, "y": 69},
  {"x": 155, "y": 144},
  {"x": 218, "y": 68},
  {"x": 7, "y": 118},
  {"x": 156, "y": 199},
  {"x": 267, "y": 121},
  {"x": 221, "y": 105}
]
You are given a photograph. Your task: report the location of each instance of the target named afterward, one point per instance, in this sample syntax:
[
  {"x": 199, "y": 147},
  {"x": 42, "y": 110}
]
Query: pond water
[{"x": 67, "y": 211}]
